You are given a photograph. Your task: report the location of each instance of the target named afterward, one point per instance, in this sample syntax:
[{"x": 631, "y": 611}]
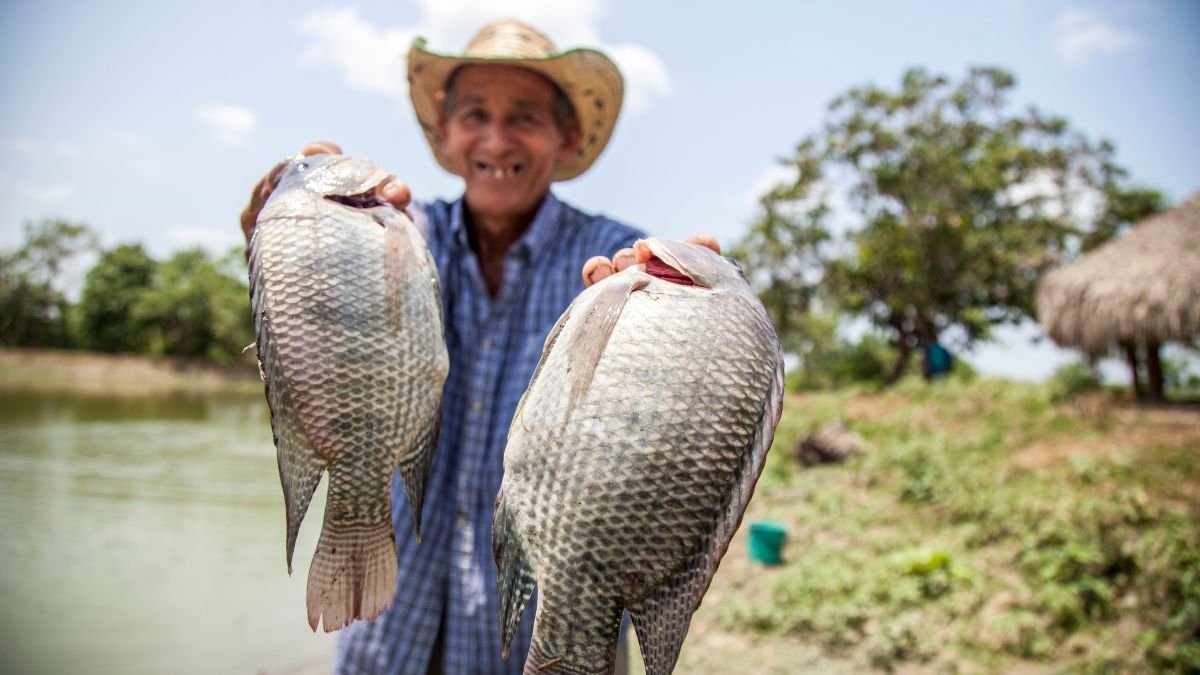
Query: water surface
[{"x": 147, "y": 536}]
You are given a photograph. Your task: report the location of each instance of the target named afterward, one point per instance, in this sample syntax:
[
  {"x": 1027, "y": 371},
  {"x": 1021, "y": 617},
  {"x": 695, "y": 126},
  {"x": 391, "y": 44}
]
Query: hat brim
[{"x": 588, "y": 78}]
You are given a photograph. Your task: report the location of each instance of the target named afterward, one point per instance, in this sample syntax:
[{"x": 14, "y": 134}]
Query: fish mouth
[
  {"x": 661, "y": 262},
  {"x": 362, "y": 200},
  {"x": 659, "y": 269}
]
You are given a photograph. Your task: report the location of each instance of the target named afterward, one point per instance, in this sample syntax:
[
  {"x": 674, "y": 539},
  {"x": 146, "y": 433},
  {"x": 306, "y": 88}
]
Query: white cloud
[
  {"x": 1041, "y": 192},
  {"x": 768, "y": 179},
  {"x": 371, "y": 58},
  {"x": 34, "y": 147},
  {"x": 46, "y": 193},
  {"x": 1083, "y": 35},
  {"x": 229, "y": 124},
  {"x": 833, "y": 190},
  {"x": 645, "y": 74}
]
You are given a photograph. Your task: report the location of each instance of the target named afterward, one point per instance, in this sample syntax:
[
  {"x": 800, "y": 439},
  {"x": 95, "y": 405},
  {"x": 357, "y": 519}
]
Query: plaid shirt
[{"x": 448, "y": 582}]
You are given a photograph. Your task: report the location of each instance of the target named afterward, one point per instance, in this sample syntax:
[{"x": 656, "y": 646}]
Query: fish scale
[
  {"x": 628, "y": 497},
  {"x": 348, "y": 319}
]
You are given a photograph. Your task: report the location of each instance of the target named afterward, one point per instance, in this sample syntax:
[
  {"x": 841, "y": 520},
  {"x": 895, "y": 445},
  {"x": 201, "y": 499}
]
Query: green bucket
[{"x": 766, "y": 543}]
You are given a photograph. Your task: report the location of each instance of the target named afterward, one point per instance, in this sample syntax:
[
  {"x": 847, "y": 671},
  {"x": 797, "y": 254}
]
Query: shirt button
[
  {"x": 476, "y": 406},
  {"x": 487, "y": 344}
]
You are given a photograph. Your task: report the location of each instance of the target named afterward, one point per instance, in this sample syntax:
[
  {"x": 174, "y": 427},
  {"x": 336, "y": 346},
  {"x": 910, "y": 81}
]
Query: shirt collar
[{"x": 539, "y": 235}]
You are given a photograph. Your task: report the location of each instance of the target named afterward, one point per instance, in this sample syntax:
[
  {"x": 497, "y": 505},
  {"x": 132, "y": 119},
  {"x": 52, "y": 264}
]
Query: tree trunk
[
  {"x": 1132, "y": 359},
  {"x": 901, "y": 363},
  {"x": 1154, "y": 372}
]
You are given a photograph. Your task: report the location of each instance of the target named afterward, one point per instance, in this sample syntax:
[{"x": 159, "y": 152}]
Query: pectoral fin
[
  {"x": 396, "y": 263},
  {"x": 590, "y": 336}
]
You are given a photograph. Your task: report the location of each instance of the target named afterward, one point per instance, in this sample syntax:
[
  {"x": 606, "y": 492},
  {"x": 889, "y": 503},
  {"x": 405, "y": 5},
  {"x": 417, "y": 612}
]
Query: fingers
[
  {"x": 258, "y": 196},
  {"x": 707, "y": 241},
  {"x": 597, "y": 268},
  {"x": 624, "y": 258},
  {"x": 265, "y": 186},
  {"x": 394, "y": 192},
  {"x": 321, "y": 148},
  {"x": 600, "y": 267}
]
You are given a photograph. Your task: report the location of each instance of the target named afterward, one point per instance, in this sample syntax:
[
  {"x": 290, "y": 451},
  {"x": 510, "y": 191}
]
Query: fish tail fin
[
  {"x": 353, "y": 574},
  {"x": 514, "y": 575},
  {"x": 415, "y": 465}
]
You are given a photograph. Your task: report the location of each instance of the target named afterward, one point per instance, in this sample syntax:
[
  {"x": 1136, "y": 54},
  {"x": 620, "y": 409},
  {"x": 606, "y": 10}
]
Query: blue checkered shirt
[{"x": 447, "y": 583}]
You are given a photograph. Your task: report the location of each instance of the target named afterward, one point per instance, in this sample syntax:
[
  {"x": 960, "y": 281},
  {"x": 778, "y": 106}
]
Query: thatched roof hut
[{"x": 1139, "y": 290}]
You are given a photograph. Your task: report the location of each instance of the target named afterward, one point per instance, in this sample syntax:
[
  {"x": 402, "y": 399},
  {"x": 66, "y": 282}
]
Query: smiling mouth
[{"x": 497, "y": 172}]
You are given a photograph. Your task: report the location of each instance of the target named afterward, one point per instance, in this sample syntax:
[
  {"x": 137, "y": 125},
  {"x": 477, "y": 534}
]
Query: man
[{"x": 510, "y": 116}]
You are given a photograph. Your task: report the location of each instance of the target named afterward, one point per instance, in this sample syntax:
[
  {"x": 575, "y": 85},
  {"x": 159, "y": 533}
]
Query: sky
[{"x": 151, "y": 121}]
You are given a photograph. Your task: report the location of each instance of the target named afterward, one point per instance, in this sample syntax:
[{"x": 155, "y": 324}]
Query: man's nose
[{"x": 497, "y": 138}]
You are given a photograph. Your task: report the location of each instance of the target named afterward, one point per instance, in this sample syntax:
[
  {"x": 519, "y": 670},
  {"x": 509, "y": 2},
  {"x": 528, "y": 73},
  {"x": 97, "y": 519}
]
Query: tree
[
  {"x": 111, "y": 291},
  {"x": 958, "y": 206},
  {"x": 33, "y": 304},
  {"x": 197, "y": 307}
]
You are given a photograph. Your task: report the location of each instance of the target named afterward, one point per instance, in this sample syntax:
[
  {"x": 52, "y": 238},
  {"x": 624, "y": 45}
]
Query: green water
[{"x": 147, "y": 536}]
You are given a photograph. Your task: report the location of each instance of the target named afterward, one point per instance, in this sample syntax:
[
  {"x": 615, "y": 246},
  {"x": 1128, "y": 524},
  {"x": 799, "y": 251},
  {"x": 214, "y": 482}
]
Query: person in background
[
  {"x": 937, "y": 362},
  {"x": 510, "y": 116}
]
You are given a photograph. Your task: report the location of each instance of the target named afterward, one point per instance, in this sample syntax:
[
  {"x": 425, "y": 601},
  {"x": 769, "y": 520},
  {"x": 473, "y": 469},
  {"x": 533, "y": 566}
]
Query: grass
[
  {"x": 988, "y": 527},
  {"x": 51, "y": 371}
]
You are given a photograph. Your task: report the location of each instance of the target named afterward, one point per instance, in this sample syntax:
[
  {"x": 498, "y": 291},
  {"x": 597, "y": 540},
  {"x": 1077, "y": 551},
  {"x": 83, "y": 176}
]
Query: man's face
[{"x": 502, "y": 138}]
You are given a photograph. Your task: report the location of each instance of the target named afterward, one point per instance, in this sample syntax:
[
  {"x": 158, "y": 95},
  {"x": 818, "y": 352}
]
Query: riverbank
[{"x": 93, "y": 373}]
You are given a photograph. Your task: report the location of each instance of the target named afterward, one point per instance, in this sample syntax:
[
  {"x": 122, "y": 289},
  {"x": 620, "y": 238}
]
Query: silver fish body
[
  {"x": 632, "y": 456},
  {"x": 347, "y": 314}
]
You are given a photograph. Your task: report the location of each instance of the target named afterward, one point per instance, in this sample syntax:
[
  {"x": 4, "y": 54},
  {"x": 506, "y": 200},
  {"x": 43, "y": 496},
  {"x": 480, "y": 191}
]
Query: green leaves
[
  {"x": 34, "y": 311},
  {"x": 194, "y": 307},
  {"x": 110, "y": 294},
  {"x": 189, "y": 305},
  {"x": 962, "y": 205}
]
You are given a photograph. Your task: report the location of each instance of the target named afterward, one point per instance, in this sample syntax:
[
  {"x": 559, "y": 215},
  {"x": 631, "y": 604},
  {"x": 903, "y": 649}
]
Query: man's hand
[
  {"x": 599, "y": 267},
  {"x": 391, "y": 190}
]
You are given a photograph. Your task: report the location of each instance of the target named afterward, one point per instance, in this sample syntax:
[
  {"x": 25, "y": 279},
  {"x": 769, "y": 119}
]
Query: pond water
[{"x": 147, "y": 536}]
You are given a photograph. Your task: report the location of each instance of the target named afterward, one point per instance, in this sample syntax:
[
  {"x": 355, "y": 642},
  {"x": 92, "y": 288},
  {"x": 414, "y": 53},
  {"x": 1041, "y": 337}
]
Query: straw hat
[{"x": 589, "y": 79}]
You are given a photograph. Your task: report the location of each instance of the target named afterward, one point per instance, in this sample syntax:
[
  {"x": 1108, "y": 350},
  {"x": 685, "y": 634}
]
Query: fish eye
[{"x": 302, "y": 166}]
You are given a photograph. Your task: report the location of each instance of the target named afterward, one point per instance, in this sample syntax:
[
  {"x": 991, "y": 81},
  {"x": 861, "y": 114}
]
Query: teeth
[{"x": 496, "y": 172}]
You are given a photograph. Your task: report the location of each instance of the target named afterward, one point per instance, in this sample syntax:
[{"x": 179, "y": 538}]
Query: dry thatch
[{"x": 1142, "y": 288}]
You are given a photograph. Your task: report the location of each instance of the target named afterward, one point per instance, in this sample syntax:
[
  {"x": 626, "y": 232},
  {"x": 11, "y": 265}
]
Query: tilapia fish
[
  {"x": 632, "y": 456},
  {"x": 347, "y": 312}
]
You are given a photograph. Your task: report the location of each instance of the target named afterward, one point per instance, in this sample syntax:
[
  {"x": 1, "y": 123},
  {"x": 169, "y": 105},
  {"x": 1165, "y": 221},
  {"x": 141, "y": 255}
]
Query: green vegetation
[
  {"x": 190, "y": 305},
  {"x": 928, "y": 208},
  {"x": 985, "y": 526},
  {"x": 34, "y": 310},
  {"x": 1073, "y": 379}
]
